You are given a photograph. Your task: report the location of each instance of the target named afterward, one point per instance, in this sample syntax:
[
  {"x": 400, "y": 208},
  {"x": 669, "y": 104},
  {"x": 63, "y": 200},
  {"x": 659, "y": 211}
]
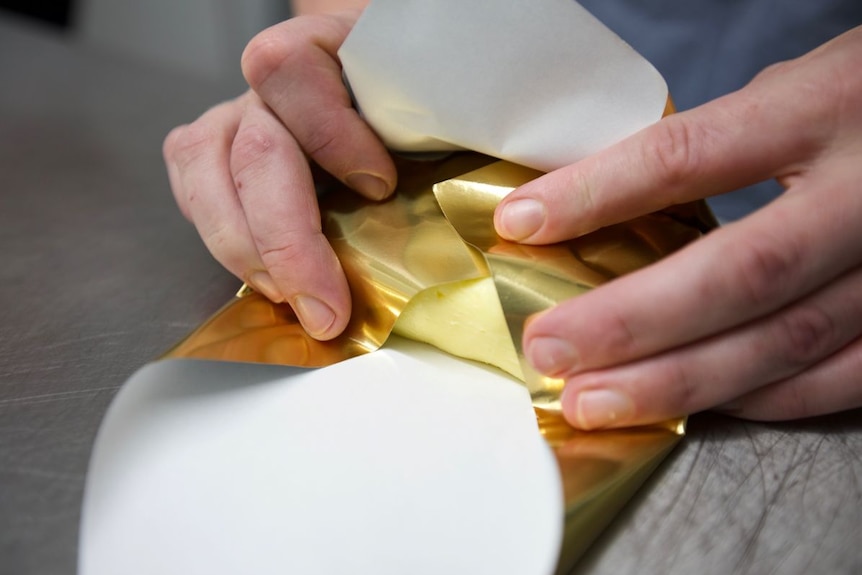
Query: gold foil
[
  {"x": 600, "y": 470},
  {"x": 392, "y": 250},
  {"x": 530, "y": 279}
]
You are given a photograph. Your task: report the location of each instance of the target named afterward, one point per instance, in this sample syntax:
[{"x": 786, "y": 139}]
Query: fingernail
[
  {"x": 595, "y": 409},
  {"x": 521, "y": 219},
  {"x": 316, "y": 316},
  {"x": 550, "y": 355},
  {"x": 369, "y": 185},
  {"x": 263, "y": 283}
]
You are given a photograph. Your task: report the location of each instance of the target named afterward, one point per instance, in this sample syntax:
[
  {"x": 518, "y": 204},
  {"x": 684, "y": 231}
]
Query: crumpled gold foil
[
  {"x": 390, "y": 251},
  {"x": 393, "y": 250},
  {"x": 531, "y": 279}
]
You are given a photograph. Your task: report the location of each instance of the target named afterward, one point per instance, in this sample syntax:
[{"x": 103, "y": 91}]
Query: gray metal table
[{"x": 100, "y": 274}]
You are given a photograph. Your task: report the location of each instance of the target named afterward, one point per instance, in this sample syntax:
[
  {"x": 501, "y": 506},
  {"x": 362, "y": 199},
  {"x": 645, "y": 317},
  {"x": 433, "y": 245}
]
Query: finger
[
  {"x": 733, "y": 275},
  {"x": 831, "y": 386},
  {"x": 325, "y": 6},
  {"x": 169, "y": 151},
  {"x": 748, "y": 136},
  {"x": 716, "y": 370},
  {"x": 198, "y": 156},
  {"x": 274, "y": 185},
  {"x": 295, "y": 69}
]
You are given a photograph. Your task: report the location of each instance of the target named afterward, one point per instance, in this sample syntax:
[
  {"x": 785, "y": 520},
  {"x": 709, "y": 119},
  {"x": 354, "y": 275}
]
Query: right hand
[{"x": 242, "y": 171}]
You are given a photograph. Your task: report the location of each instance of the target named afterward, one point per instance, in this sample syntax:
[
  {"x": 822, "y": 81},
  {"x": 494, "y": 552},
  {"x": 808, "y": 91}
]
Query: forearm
[{"x": 303, "y": 7}]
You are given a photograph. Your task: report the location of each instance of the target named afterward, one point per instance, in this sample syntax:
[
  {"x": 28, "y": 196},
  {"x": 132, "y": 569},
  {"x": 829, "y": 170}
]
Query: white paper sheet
[
  {"x": 539, "y": 83},
  {"x": 405, "y": 460}
]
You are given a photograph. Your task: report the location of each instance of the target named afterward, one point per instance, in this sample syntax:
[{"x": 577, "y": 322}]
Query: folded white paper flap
[
  {"x": 405, "y": 460},
  {"x": 540, "y": 83}
]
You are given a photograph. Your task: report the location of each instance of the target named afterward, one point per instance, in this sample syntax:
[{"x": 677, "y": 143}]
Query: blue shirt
[{"x": 707, "y": 48}]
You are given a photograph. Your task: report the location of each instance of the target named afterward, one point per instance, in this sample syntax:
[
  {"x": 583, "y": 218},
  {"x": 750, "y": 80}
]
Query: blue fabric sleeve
[{"x": 707, "y": 48}]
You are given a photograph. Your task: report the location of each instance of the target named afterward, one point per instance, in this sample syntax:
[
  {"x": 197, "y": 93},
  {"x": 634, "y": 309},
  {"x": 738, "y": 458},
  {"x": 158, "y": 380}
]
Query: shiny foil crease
[{"x": 438, "y": 229}]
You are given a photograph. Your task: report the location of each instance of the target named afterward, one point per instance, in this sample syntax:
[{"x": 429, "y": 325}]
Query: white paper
[
  {"x": 401, "y": 461},
  {"x": 539, "y": 83}
]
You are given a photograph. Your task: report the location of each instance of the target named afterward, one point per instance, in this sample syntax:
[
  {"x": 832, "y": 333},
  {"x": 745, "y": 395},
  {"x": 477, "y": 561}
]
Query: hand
[
  {"x": 241, "y": 172},
  {"x": 761, "y": 318}
]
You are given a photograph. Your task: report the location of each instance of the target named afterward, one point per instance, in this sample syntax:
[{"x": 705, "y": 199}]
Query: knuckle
[
  {"x": 223, "y": 243},
  {"x": 771, "y": 71},
  {"x": 192, "y": 143},
  {"x": 683, "y": 390},
  {"x": 281, "y": 256},
  {"x": 674, "y": 150},
  {"x": 765, "y": 270},
  {"x": 324, "y": 136},
  {"x": 284, "y": 255},
  {"x": 218, "y": 239},
  {"x": 588, "y": 208},
  {"x": 251, "y": 147},
  {"x": 621, "y": 341},
  {"x": 168, "y": 153},
  {"x": 262, "y": 56},
  {"x": 794, "y": 401},
  {"x": 781, "y": 400},
  {"x": 169, "y": 145},
  {"x": 183, "y": 203},
  {"x": 806, "y": 334},
  {"x": 273, "y": 50}
]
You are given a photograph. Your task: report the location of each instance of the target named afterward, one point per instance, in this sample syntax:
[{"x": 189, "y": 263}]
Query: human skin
[
  {"x": 240, "y": 173},
  {"x": 306, "y": 7},
  {"x": 762, "y": 318}
]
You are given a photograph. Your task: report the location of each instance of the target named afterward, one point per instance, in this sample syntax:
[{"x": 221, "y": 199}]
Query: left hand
[
  {"x": 242, "y": 172},
  {"x": 761, "y": 318}
]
